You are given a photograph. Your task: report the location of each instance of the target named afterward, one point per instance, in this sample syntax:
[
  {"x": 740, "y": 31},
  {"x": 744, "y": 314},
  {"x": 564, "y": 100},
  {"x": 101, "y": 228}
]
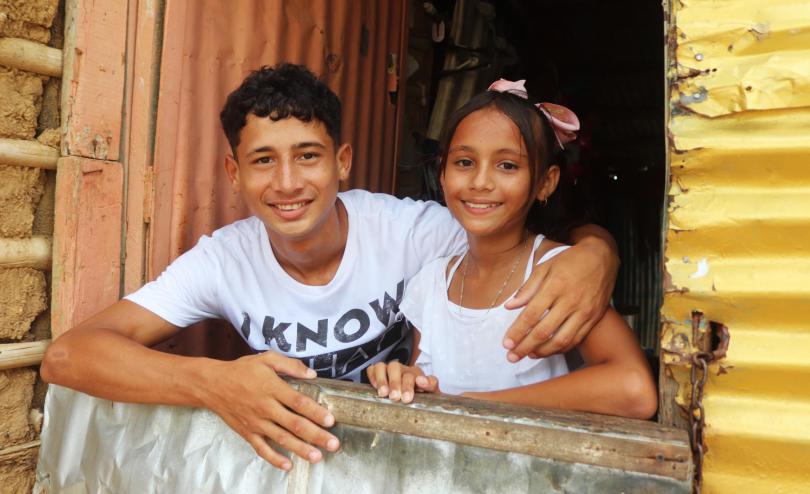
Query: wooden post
[
  {"x": 15, "y": 355},
  {"x": 34, "y": 252},
  {"x": 21, "y": 152},
  {"x": 30, "y": 56}
]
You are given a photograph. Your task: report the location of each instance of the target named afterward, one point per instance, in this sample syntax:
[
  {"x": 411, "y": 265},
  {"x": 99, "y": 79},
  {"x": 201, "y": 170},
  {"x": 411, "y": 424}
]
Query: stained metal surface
[
  {"x": 739, "y": 230},
  {"x": 210, "y": 46},
  {"x": 94, "y": 445}
]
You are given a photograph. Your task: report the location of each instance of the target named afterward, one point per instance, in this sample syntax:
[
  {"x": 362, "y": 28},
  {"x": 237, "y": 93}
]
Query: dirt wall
[{"x": 29, "y": 109}]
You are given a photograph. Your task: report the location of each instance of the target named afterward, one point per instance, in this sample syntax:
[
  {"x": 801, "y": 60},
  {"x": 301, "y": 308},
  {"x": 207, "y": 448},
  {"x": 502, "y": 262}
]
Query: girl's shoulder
[{"x": 548, "y": 249}]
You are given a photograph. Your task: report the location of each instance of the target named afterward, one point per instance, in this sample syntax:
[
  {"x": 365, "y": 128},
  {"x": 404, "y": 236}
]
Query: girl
[{"x": 499, "y": 173}]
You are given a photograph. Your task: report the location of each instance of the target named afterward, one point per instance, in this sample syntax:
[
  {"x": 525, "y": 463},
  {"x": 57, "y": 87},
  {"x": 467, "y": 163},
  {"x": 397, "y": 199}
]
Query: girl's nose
[{"x": 481, "y": 179}]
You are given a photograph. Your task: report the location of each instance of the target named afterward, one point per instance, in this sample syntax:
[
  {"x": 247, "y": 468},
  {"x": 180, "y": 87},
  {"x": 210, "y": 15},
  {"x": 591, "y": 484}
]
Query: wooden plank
[
  {"x": 93, "y": 78},
  {"x": 87, "y": 240},
  {"x": 33, "y": 252},
  {"x": 144, "y": 44},
  {"x": 16, "y": 355},
  {"x": 611, "y": 442},
  {"x": 30, "y": 56},
  {"x": 20, "y": 152}
]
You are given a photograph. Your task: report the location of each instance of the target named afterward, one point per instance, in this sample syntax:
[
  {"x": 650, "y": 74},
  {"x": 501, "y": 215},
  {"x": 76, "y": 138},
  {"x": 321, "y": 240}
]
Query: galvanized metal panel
[
  {"x": 439, "y": 444},
  {"x": 739, "y": 230},
  {"x": 210, "y": 46}
]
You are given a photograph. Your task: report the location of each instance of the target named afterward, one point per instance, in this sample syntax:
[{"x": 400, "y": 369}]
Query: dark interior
[{"x": 604, "y": 60}]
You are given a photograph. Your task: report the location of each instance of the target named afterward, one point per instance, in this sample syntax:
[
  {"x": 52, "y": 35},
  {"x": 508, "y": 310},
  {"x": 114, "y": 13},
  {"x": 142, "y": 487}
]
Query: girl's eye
[
  {"x": 464, "y": 162},
  {"x": 506, "y": 165}
]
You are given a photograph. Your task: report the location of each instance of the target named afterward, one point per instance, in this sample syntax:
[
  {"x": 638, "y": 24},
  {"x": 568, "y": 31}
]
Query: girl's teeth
[{"x": 480, "y": 206}]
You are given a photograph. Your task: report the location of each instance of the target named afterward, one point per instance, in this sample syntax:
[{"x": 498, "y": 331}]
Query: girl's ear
[
  {"x": 550, "y": 180},
  {"x": 344, "y": 161},
  {"x": 232, "y": 168}
]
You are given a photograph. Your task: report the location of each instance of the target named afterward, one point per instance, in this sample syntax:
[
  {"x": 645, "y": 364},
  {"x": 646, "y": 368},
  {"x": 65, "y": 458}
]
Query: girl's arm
[{"x": 616, "y": 381}]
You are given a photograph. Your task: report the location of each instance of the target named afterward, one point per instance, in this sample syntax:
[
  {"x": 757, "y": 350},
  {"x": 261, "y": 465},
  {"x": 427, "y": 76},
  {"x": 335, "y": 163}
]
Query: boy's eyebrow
[{"x": 300, "y": 145}]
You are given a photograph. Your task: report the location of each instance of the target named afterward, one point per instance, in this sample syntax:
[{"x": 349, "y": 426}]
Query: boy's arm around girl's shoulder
[{"x": 616, "y": 379}]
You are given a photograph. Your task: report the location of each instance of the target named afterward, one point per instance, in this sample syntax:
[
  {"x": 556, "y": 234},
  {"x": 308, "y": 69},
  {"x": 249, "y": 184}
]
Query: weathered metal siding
[
  {"x": 738, "y": 239},
  {"x": 210, "y": 46}
]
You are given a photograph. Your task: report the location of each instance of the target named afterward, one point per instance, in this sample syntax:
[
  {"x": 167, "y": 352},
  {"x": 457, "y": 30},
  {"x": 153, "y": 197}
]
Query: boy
[{"x": 313, "y": 276}]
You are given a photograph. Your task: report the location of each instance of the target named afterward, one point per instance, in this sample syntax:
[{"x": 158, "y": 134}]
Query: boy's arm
[
  {"x": 574, "y": 287},
  {"x": 107, "y": 356},
  {"x": 616, "y": 381}
]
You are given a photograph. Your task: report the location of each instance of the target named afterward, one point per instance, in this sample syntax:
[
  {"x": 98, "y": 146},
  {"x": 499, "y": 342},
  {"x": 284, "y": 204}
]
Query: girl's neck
[{"x": 490, "y": 253}]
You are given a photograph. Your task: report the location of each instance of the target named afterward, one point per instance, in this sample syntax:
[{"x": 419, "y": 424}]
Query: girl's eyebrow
[{"x": 461, "y": 148}]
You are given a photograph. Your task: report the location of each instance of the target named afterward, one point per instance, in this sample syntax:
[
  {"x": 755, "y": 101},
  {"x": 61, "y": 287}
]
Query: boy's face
[{"x": 288, "y": 173}]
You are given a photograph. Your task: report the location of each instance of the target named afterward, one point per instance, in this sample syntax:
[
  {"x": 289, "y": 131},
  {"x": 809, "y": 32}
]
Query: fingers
[
  {"x": 427, "y": 384},
  {"x": 408, "y": 381},
  {"x": 571, "y": 334},
  {"x": 288, "y": 366},
  {"x": 302, "y": 422},
  {"x": 540, "y": 333},
  {"x": 299, "y": 436},
  {"x": 529, "y": 288},
  {"x": 378, "y": 375},
  {"x": 537, "y": 312},
  {"x": 270, "y": 455},
  {"x": 395, "y": 381}
]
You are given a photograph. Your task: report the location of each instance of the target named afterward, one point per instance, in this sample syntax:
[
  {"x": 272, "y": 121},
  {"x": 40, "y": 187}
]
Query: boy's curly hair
[{"x": 284, "y": 91}]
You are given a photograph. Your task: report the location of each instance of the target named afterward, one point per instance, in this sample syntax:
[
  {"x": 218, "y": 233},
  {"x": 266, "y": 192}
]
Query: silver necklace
[{"x": 466, "y": 262}]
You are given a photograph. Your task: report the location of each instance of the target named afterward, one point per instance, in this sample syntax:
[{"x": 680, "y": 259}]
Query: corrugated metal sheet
[
  {"x": 739, "y": 230},
  {"x": 208, "y": 48}
]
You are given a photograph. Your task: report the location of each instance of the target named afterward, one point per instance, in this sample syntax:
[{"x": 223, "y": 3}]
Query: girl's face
[{"x": 487, "y": 179}]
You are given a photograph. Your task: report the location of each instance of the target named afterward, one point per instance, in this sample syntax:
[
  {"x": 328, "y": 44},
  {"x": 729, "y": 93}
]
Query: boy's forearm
[
  {"x": 108, "y": 365},
  {"x": 591, "y": 232},
  {"x": 608, "y": 389}
]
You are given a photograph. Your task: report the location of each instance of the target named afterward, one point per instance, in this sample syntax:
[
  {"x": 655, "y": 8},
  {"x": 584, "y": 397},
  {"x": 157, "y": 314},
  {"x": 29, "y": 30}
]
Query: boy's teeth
[{"x": 290, "y": 207}]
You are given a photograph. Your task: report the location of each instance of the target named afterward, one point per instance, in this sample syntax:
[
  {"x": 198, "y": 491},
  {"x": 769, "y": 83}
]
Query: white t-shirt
[
  {"x": 463, "y": 347},
  {"x": 337, "y": 329}
]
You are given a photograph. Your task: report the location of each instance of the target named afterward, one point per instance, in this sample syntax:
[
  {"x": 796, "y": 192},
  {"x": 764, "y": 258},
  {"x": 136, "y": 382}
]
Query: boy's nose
[{"x": 287, "y": 179}]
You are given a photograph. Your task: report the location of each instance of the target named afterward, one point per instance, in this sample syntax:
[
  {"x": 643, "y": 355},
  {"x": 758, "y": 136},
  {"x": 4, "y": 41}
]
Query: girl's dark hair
[
  {"x": 542, "y": 149},
  {"x": 284, "y": 91}
]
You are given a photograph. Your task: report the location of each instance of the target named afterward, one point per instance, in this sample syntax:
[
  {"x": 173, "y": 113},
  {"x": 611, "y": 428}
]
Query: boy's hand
[
  {"x": 575, "y": 288},
  {"x": 399, "y": 382},
  {"x": 254, "y": 401}
]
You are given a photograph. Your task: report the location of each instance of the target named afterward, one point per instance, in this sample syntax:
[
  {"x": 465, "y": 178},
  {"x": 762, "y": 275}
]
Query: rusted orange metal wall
[{"x": 209, "y": 46}]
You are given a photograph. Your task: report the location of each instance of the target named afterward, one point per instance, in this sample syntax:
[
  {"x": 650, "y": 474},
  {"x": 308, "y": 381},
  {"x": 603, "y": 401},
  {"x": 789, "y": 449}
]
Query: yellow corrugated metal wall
[{"x": 738, "y": 236}]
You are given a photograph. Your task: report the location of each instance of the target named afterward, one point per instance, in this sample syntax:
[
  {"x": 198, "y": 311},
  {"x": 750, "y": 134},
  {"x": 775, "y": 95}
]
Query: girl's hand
[
  {"x": 399, "y": 382},
  {"x": 574, "y": 288}
]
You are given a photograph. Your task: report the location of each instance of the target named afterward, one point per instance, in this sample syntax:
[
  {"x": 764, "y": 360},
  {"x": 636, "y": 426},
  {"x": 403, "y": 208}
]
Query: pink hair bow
[{"x": 563, "y": 121}]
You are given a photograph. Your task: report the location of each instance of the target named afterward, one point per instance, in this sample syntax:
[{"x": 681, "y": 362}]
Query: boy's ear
[
  {"x": 550, "y": 181},
  {"x": 344, "y": 161},
  {"x": 232, "y": 169}
]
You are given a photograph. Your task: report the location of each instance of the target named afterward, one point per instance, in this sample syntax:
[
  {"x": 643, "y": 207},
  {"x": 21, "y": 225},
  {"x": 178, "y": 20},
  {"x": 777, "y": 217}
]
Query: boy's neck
[{"x": 314, "y": 260}]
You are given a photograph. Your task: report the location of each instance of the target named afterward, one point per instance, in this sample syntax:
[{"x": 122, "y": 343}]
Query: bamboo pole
[
  {"x": 34, "y": 252},
  {"x": 15, "y": 355},
  {"x": 30, "y": 56},
  {"x": 21, "y": 152}
]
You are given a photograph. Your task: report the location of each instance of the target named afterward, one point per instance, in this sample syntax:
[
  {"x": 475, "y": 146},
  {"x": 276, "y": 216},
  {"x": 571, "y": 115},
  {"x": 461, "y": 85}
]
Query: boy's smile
[{"x": 288, "y": 172}]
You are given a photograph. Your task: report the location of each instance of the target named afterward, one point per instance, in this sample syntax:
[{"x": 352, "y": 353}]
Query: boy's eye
[
  {"x": 309, "y": 156},
  {"x": 264, "y": 160}
]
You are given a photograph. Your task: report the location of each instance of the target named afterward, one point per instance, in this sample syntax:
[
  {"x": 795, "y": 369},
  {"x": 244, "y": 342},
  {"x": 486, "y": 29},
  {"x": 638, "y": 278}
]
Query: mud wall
[{"x": 29, "y": 110}]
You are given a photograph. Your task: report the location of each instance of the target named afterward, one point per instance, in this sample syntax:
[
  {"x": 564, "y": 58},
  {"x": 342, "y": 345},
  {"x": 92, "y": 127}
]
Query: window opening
[{"x": 605, "y": 60}]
